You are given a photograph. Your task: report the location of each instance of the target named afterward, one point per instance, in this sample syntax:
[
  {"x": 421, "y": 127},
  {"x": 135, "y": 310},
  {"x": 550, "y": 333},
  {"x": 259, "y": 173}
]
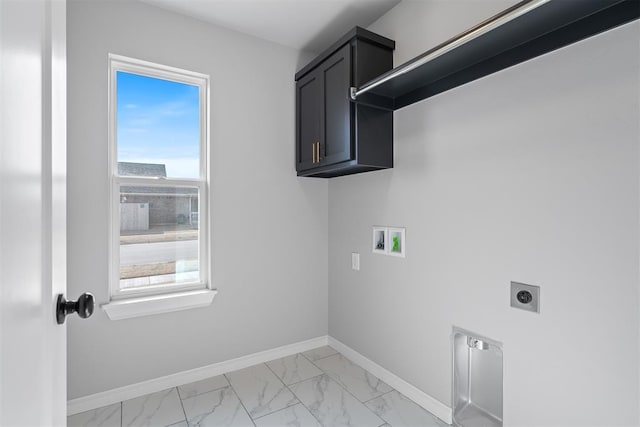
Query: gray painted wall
[
  {"x": 531, "y": 175},
  {"x": 269, "y": 228}
]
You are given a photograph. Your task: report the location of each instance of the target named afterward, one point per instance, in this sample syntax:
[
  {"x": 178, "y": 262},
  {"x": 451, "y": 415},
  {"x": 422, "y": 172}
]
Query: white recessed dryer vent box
[{"x": 477, "y": 380}]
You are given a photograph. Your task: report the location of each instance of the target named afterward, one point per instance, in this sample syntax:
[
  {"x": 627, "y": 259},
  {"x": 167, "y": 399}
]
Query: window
[{"x": 159, "y": 179}]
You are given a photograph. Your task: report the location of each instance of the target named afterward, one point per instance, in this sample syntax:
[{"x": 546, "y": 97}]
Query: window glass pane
[
  {"x": 158, "y": 124},
  {"x": 158, "y": 236}
]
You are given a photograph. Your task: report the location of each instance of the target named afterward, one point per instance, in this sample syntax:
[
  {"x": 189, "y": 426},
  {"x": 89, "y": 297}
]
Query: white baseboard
[
  {"x": 429, "y": 403},
  {"x": 98, "y": 400}
]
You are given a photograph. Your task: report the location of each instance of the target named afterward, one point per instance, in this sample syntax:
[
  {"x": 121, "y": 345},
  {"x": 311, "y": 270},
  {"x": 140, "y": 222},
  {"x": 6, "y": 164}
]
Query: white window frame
[{"x": 153, "y": 299}]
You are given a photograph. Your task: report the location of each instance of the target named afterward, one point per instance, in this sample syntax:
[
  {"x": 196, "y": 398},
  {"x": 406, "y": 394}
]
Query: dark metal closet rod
[{"x": 469, "y": 35}]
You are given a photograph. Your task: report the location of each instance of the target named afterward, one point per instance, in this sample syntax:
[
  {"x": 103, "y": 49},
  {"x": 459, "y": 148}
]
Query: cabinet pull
[
  {"x": 318, "y": 154},
  {"x": 313, "y": 152}
]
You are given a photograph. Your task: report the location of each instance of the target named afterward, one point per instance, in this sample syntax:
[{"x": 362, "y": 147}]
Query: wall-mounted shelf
[{"x": 529, "y": 29}]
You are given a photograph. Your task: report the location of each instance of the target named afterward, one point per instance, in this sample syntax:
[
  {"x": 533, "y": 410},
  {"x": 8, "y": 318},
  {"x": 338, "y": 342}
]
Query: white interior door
[{"x": 32, "y": 211}]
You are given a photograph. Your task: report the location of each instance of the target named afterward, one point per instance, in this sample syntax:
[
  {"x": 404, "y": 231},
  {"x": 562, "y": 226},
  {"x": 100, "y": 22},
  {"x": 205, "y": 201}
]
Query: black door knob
[{"x": 83, "y": 306}]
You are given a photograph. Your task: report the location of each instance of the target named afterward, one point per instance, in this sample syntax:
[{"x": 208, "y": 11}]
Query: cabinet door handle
[
  {"x": 313, "y": 152},
  {"x": 318, "y": 148}
]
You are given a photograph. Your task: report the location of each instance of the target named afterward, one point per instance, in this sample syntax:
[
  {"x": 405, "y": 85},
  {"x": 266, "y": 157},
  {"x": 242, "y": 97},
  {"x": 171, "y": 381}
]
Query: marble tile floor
[{"x": 316, "y": 388}]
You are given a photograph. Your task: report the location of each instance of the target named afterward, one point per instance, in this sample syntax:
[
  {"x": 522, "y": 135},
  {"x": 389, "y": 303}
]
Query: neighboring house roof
[
  {"x": 151, "y": 191},
  {"x": 141, "y": 169},
  {"x": 149, "y": 170}
]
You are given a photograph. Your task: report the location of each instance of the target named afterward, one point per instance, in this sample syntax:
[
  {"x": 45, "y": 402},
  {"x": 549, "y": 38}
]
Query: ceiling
[{"x": 310, "y": 25}]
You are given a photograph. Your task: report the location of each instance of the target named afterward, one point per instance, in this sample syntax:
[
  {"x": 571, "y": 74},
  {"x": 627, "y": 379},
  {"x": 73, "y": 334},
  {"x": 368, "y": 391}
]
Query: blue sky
[{"x": 158, "y": 121}]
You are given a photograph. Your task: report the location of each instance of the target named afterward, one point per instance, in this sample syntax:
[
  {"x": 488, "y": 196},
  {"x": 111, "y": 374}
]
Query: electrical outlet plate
[
  {"x": 355, "y": 261},
  {"x": 533, "y": 294}
]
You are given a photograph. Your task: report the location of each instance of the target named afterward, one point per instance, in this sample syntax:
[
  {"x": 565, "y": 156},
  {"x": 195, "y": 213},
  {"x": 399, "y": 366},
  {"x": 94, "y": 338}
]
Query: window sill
[{"x": 157, "y": 304}]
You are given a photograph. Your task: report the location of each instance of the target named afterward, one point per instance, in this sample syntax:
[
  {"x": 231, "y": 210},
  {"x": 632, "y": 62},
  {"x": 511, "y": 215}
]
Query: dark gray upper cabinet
[{"x": 334, "y": 135}]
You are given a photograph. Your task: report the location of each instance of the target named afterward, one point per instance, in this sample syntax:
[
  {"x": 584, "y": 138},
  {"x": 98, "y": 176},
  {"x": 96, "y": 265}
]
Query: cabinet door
[
  {"x": 337, "y": 115},
  {"x": 309, "y": 104}
]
